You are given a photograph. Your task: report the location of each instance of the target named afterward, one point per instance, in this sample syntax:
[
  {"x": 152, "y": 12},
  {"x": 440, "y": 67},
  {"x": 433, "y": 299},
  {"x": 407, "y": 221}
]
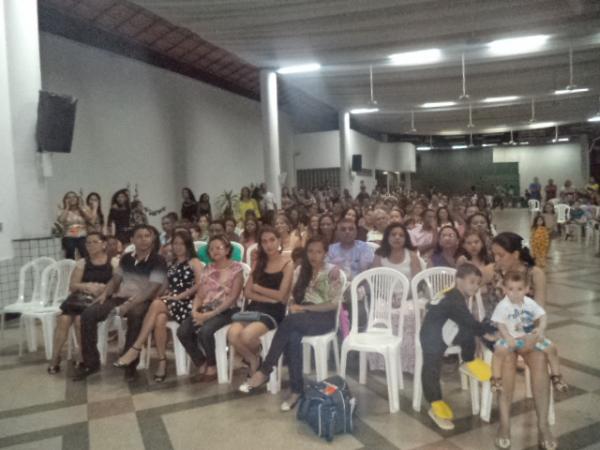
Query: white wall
[
  {"x": 557, "y": 161},
  {"x": 321, "y": 150},
  {"x": 137, "y": 123}
]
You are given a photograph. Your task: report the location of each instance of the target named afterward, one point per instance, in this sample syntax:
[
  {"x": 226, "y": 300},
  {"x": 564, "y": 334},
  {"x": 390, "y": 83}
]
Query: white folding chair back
[
  {"x": 534, "y": 205},
  {"x": 434, "y": 280},
  {"x": 373, "y": 245},
  {"x": 381, "y": 284},
  {"x": 250, "y": 253},
  {"x": 562, "y": 213},
  {"x": 320, "y": 343}
]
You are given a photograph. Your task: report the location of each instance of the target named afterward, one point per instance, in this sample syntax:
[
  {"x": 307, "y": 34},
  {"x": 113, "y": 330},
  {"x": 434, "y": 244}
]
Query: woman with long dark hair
[
  {"x": 249, "y": 235},
  {"x": 474, "y": 250},
  {"x": 510, "y": 256},
  {"x": 446, "y": 252},
  {"x": 267, "y": 292},
  {"x": 96, "y": 216},
  {"x": 289, "y": 240},
  {"x": 353, "y": 214},
  {"x": 183, "y": 276},
  {"x": 204, "y": 208},
  {"x": 73, "y": 218},
  {"x": 327, "y": 227},
  {"x": 189, "y": 207},
  {"x": 316, "y": 294},
  {"x": 118, "y": 217}
]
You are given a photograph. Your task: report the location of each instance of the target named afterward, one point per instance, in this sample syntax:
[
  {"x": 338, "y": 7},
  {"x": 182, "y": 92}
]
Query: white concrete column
[
  {"x": 24, "y": 83},
  {"x": 9, "y": 212},
  {"x": 345, "y": 152},
  {"x": 270, "y": 123}
]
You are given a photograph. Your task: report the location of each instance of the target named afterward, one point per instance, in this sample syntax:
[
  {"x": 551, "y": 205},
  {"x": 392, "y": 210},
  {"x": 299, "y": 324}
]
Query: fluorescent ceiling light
[
  {"x": 570, "y": 91},
  {"x": 506, "y": 98},
  {"x": 458, "y": 147},
  {"x": 562, "y": 139},
  {"x": 517, "y": 46},
  {"x": 595, "y": 118},
  {"x": 539, "y": 125},
  {"x": 301, "y": 68},
  {"x": 419, "y": 57},
  {"x": 524, "y": 143},
  {"x": 437, "y": 104},
  {"x": 423, "y": 148},
  {"x": 487, "y": 145},
  {"x": 364, "y": 110}
]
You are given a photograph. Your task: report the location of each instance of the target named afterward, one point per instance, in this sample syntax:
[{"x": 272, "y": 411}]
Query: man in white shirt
[{"x": 268, "y": 205}]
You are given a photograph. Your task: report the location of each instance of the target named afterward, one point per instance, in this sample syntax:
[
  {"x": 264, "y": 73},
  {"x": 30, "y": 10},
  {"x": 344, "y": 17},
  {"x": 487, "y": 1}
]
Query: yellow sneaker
[
  {"x": 442, "y": 410},
  {"x": 478, "y": 369},
  {"x": 441, "y": 414}
]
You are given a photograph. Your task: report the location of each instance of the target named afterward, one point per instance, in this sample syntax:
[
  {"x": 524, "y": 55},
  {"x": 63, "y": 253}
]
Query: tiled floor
[{"x": 40, "y": 411}]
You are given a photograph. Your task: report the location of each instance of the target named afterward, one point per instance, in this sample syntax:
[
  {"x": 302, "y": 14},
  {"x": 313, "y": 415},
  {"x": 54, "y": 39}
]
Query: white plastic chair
[
  {"x": 250, "y": 253},
  {"x": 373, "y": 245},
  {"x": 320, "y": 344},
  {"x": 56, "y": 279},
  {"x": 379, "y": 337},
  {"x": 34, "y": 270},
  {"x": 220, "y": 335},
  {"x": 182, "y": 361},
  {"x": 534, "y": 206},
  {"x": 562, "y": 213}
]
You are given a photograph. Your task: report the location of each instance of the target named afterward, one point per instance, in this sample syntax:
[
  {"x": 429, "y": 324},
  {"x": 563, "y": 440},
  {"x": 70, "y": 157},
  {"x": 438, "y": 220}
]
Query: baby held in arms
[{"x": 520, "y": 320}]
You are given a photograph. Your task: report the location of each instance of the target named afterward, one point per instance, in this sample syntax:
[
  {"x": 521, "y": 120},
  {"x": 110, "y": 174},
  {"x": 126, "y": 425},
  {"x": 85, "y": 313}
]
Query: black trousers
[
  {"x": 199, "y": 341},
  {"x": 433, "y": 356},
  {"x": 96, "y": 313},
  {"x": 288, "y": 339},
  {"x": 70, "y": 244}
]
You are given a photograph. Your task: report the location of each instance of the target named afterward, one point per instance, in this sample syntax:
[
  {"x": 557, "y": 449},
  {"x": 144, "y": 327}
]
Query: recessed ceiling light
[
  {"x": 459, "y": 147},
  {"x": 416, "y": 58},
  {"x": 300, "y": 68},
  {"x": 364, "y": 110},
  {"x": 570, "y": 91},
  {"x": 437, "y": 104},
  {"x": 423, "y": 148},
  {"x": 516, "y": 46},
  {"x": 506, "y": 98}
]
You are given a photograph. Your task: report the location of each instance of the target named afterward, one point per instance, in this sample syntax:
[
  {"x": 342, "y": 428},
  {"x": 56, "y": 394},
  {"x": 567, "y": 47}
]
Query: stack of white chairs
[
  {"x": 33, "y": 269},
  {"x": 321, "y": 343},
  {"x": 56, "y": 279},
  {"x": 436, "y": 280},
  {"x": 379, "y": 337},
  {"x": 534, "y": 206}
]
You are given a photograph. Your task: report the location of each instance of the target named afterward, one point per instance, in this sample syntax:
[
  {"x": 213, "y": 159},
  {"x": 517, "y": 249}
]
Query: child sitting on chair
[
  {"x": 518, "y": 318},
  {"x": 451, "y": 311}
]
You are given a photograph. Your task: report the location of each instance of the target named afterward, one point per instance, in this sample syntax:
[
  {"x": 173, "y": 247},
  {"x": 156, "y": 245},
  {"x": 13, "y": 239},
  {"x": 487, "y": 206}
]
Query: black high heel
[
  {"x": 121, "y": 365},
  {"x": 53, "y": 370},
  {"x": 161, "y": 378}
]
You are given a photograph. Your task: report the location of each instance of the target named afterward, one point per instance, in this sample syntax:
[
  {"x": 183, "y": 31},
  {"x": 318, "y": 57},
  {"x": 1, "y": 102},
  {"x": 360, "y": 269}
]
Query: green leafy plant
[{"x": 227, "y": 203}]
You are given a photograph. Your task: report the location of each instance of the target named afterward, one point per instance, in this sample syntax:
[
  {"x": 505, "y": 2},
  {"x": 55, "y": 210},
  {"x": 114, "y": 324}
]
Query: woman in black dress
[
  {"x": 176, "y": 304},
  {"x": 118, "y": 217},
  {"x": 88, "y": 280},
  {"x": 189, "y": 207},
  {"x": 204, "y": 206},
  {"x": 268, "y": 290}
]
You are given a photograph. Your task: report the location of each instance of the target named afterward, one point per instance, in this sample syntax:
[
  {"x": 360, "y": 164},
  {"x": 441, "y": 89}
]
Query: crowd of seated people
[{"x": 191, "y": 272}]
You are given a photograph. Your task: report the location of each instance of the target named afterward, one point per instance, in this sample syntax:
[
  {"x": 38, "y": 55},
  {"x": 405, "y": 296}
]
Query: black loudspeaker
[
  {"x": 356, "y": 163},
  {"x": 55, "y": 123}
]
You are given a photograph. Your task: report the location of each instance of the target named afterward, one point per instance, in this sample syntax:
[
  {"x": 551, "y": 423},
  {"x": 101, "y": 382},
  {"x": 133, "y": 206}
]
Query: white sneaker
[{"x": 444, "y": 424}]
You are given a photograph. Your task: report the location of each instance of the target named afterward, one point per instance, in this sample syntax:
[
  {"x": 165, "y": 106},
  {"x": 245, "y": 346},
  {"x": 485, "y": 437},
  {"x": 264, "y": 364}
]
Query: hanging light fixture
[
  {"x": 571, "y": 88},
  {"x": 413, "y": 129},
  {"x": 372, "y": 102},
  {"x": 470, "y": 124},
  {"x": 596, "y": 117},
  {"x": 532, "y": 118},
  {"x": 512, "y": 141},
  {"x": 464, "y": 95},
  {"x": 471, "y": 140}
]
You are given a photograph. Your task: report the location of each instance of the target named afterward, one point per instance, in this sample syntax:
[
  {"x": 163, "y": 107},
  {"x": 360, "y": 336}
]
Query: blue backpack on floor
[{"x": 327, "y": 406}]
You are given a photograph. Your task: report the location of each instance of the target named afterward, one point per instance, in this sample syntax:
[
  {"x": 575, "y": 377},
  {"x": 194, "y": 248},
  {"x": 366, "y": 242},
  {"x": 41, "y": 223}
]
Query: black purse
[{"x": 76, "y": 303}]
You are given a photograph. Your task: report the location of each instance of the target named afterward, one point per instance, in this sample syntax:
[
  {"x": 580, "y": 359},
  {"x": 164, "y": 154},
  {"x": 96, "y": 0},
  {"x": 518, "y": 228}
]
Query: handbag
[
  {"x": 246, "y": 316},
  {"x": 76, "y": 303}
]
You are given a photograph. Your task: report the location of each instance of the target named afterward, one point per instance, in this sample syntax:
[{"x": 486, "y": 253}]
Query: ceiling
[
  {"x": 227, "y": 42},
  {"x": 346, "y": 36}
]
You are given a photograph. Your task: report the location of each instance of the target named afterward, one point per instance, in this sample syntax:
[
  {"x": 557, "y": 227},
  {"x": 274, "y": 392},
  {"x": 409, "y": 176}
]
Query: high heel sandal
[
  {"x": 53, "y": 370},
  {"x": 496, "y": 384},
  {"x": 121, "y": 365},
  {"x": 161, "y": 378},
  {"x": 503, "y": 443},
  {"x": 548, "y": 445},
  {"x": 559, "y": 383}
]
